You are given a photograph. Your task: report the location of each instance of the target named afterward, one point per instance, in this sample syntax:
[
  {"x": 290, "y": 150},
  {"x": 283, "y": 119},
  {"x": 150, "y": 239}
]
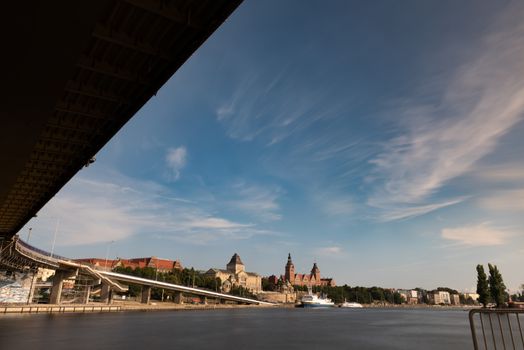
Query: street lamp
[
  {"x": 107, "y": 253},
  {"x": 29, "y": 235},
  {"x": 54, "y": 236}
]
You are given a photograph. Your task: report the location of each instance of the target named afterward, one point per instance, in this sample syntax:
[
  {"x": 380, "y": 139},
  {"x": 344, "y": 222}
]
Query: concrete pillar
[
  {"x": 177, "y": 298},
  {"x": 58, "y": 281},
  {"x": 87, "y": 294},
  {"x": 146, "y": 294},
  {"x": 32, "y": 289},
  {"x": 106, "y": 294}
]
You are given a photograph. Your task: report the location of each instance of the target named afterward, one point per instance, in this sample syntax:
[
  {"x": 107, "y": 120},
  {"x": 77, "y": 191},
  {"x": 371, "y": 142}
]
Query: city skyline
[{"x": 382, "y": 142}]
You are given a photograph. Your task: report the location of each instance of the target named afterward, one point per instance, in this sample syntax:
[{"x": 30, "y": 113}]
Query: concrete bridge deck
[{"x": 195, "y": 291}]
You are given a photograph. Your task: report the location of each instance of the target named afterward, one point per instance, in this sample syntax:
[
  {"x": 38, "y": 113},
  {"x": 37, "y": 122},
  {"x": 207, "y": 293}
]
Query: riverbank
[
  {"x": 116, "y": 307},
  {"x": 160, "y": 306},
  {"x": 421, "y": 306}
]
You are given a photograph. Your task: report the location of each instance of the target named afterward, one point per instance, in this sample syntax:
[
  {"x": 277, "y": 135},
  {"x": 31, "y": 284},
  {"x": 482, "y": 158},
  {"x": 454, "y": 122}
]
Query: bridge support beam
[
  {"x": 87, "y": 295},
  {"x": 106, "y": 294},
  {"x": 177, "y": 298},
  {"x": 58, "y": 282},
  {"x": 146, "y": 295},
  {"x": 32, "y": 288}
]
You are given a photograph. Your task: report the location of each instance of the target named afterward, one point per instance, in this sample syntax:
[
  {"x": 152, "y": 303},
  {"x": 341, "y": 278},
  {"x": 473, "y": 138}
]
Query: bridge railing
[
  {"x": 497, "y": 328},
  {"x": 32, "y": 250}
]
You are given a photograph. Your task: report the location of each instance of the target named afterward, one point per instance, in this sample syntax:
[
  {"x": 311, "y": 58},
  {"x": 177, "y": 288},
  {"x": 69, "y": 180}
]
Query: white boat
[
  {"x": 350, "y": 304},
  {"x": 312, "y": 300}
]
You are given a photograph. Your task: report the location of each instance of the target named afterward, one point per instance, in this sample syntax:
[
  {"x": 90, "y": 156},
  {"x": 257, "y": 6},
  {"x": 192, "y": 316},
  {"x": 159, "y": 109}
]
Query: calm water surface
[{"x": 240, "y": 329}]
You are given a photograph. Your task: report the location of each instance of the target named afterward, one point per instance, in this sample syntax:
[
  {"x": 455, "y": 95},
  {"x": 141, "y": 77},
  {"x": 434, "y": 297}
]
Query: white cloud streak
[
  {"x": 483, "y": 234},
  {"x": 507, "y": 173},
  {"x": 257, "y": 109},
  {"x": 480, "y": 105},
  {"x": 329, "y": 251},
  {"x": 175, "y": 161},
  {"x": 507, "y": 201},
  {"x": 92, "y": 211},
  {"x": 257, "y": 201}
]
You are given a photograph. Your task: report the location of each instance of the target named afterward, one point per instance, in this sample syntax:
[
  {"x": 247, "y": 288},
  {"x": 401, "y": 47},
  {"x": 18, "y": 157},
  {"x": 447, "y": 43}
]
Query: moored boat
[
  {"x": 312, "y": 300},
  {"x": 348, "y": 304}
]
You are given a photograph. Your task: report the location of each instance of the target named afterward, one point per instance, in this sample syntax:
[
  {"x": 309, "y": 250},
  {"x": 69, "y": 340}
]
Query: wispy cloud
[
  {"x": 483, "y": 234},
  {"x": 480, "y": 104},
  {"x": 506, "y": 173},
  {"x": 257, "y": 201},
  {"x": 92, "y": 211},
  {"x": 333, "y": 250},
  {"x": 507, "y": 201},
  {"x": 175, "y": 161},
  {"x": 334, "y": 204},
  {"x": 403, "y": 212},
  {"x": 257, "y": 108}
]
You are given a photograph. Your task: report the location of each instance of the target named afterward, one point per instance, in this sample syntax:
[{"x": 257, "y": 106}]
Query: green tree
[
  {"x": 397, "y": 298},
  {"x": 482, "y": 286},
  {"x": 497, "y": 288}
]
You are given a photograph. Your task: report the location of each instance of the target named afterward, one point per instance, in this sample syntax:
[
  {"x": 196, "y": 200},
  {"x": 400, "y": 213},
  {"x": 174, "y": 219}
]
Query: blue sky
[{"x": 381, "y": 139}]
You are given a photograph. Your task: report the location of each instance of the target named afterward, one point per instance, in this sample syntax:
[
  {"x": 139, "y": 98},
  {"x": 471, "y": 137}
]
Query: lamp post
[
  {"x": 107, "y": 253},
  {"x": 54, "y": 236}
]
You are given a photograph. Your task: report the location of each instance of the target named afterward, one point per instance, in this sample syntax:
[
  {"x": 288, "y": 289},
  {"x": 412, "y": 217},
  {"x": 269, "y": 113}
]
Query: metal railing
[
  {"x": 27, "y": 247},
  {"x": 497, "y": 328}
]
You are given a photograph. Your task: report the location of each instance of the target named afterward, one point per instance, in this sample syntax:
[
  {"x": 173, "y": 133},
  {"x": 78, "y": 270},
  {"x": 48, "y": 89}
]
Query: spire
[
  {"x": 315, "y": 268},
  {"x": 289, "y": 261},
  {"x": 235, "y": 259}
]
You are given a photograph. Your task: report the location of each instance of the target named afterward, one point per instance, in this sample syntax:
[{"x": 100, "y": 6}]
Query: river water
[{"x": 240, "y": 329}]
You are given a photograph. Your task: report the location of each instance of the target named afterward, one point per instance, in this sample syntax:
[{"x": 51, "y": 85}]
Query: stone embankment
[{"x": 116, "y": 306}]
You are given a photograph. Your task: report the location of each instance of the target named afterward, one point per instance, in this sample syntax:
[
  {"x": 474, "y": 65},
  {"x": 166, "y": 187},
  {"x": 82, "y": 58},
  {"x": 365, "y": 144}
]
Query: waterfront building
[
  {"x": 311, "y": 279},
  {"x": 409, "y": 296},
  {"x": 455, "y": 299},
  {"x": 412, "y": 296},
  {"x": 473, "y": 296},
  {"x": 161, "y": 265},
  {"x": 439, "y": 297},
  {"x": 235, "y": 275}
]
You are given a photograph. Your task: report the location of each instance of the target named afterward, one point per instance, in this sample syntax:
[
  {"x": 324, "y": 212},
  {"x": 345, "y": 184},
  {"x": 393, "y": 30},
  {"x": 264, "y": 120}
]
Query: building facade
[
  {"x": 311, "y": 279},
  {"x": 161, "y": 265},
  {"x": 235, "y": 275},
  {"x": 439, "y": 297}
]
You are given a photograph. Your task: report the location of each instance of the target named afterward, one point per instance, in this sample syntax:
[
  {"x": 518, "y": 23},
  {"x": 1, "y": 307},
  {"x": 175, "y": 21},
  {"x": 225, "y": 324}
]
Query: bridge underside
[{"x": 76, "y": 72}]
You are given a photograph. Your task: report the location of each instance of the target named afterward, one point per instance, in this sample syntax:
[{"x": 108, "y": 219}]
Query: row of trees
[
  {"x": 492, "y": 289},
  {"x": 357, "y": 294},
  {"x": 365, "y": 295}
]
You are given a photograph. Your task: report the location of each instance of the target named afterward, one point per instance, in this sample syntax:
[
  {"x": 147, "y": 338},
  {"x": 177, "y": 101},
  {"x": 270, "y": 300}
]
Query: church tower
[
  {"x": 235, "y": 264},
  {"x": 315, "y": 272},
  {"x": 290, "y": 270}
]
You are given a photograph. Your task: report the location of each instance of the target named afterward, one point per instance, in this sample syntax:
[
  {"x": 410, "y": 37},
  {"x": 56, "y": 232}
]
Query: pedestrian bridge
[{"x": 144, "y": 282}]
